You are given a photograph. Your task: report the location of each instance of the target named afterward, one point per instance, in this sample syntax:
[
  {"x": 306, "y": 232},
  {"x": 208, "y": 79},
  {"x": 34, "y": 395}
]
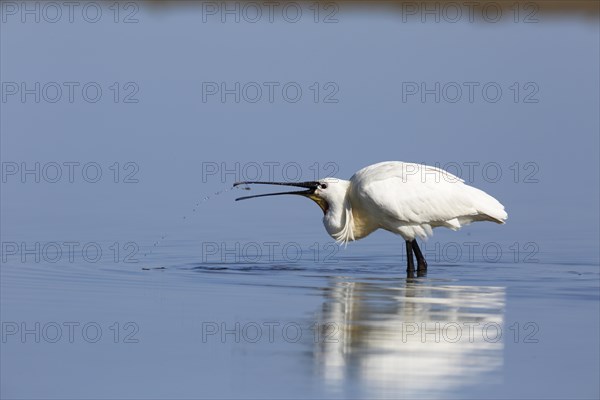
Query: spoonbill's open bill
[{"x": 404, "y": 198}]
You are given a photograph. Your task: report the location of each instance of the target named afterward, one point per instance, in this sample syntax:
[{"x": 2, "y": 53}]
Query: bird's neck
[
  {"x": 346, "y": 223},
  {"x": 339, "y": 222}
]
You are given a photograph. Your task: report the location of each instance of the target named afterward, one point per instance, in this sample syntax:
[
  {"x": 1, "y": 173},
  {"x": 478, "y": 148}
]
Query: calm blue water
[
  {"x": 149, "y": 281},
  {"x": 356, "y": 328}
]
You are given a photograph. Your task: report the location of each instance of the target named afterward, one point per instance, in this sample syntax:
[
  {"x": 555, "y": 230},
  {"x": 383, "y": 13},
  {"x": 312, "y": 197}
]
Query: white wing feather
[{"x": 413, "y": 198}]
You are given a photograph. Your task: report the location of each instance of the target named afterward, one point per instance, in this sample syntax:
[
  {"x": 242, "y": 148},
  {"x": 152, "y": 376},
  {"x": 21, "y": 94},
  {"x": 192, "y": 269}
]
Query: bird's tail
[{"x": 488, "y": 207}]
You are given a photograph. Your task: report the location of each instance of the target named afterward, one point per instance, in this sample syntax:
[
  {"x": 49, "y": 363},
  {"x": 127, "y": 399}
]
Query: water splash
[{"x": 188, "y": 216}]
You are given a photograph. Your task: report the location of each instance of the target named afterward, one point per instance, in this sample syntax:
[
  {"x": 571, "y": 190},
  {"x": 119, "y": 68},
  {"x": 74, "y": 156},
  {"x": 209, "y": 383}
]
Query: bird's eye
[{"x": 323, "y": 186}]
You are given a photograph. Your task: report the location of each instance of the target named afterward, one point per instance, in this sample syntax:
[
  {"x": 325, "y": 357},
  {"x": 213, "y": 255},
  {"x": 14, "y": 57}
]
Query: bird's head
[{"x": 326, "y": 192}]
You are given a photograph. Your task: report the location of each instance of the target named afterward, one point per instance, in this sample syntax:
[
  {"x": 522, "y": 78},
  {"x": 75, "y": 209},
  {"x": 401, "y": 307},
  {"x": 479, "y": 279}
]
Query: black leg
[
  {"x": 421, "y": 263},
  {"x": 410, "y": 263}
]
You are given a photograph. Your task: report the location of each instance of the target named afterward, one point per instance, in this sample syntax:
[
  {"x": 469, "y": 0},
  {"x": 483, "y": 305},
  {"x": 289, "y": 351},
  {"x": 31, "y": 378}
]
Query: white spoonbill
[{"x": 404, "y": 198}]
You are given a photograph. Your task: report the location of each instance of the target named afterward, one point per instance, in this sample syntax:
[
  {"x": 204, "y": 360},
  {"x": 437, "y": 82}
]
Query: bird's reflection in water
[{"x": 409, "y": 337}]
